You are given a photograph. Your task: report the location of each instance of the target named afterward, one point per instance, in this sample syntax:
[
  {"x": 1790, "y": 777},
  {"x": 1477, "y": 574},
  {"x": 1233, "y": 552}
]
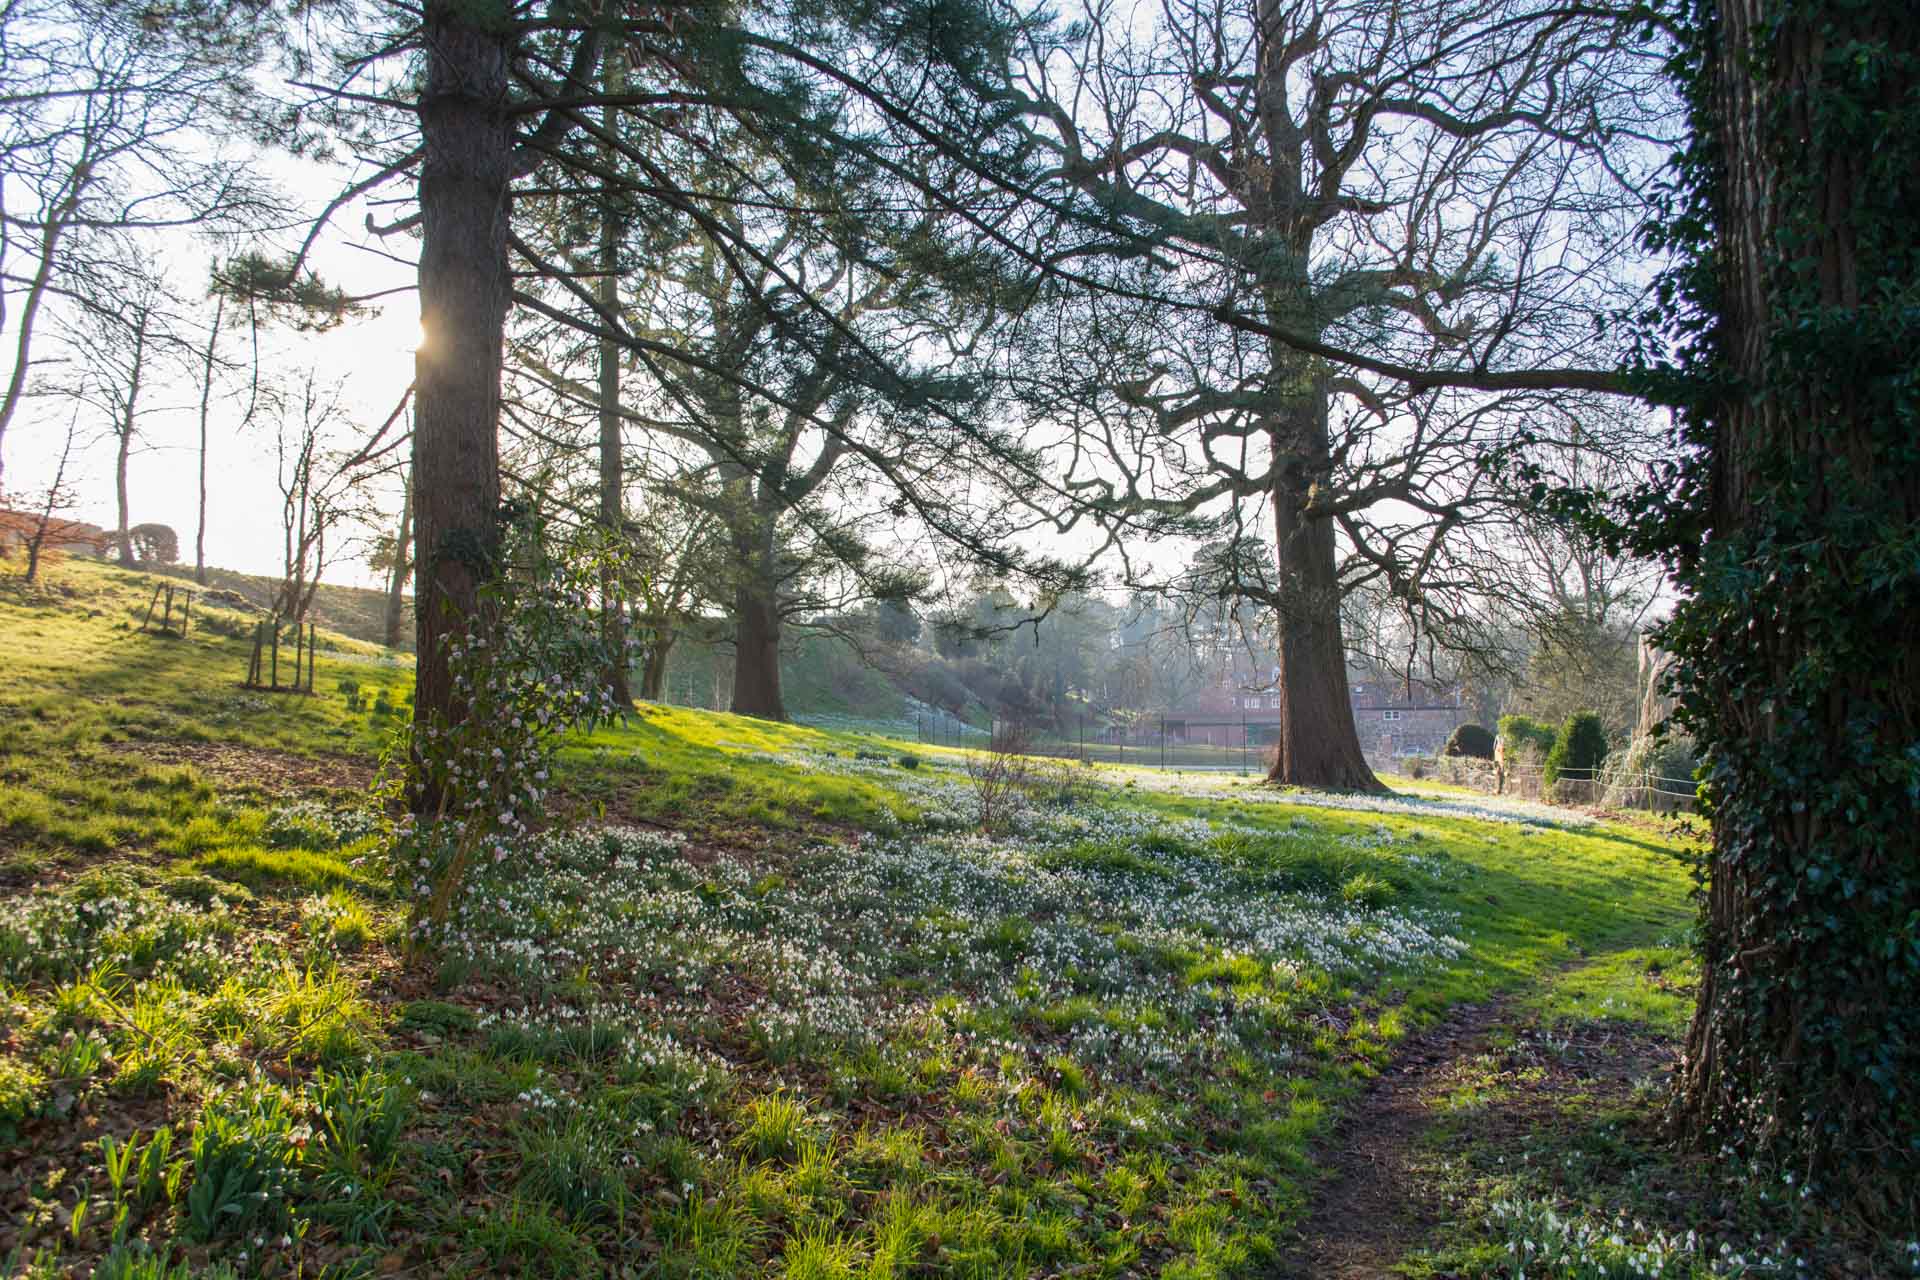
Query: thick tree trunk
[
  {"x": 400, "y": 571},
  {"x": 464, "y": 291},
  {"x": 1804, "y": 1029},
  {"x": 1318, "y": 744},
  {"x": 756, "y": 660},
  {"x": 756, "y": 607}
]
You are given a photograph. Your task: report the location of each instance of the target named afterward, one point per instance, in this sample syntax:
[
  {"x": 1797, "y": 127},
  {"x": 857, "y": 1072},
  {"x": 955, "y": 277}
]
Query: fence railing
[
  {"x": 1160, "y": 743},
  {"x": 1614, "y": 788},
  {"x": 1243, "y": 746}
]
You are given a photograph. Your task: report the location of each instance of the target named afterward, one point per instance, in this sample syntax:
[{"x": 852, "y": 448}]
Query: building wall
[{"x": 1406, "y": 730}]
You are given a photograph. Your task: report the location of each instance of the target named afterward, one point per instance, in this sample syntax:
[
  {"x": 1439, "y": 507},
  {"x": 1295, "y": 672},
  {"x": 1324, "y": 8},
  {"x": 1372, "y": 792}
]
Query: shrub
[
  {"x": 1473, "y": 740},
  {"x": 1522, "y": 735},
  {"x": 1578, "y": 750}
]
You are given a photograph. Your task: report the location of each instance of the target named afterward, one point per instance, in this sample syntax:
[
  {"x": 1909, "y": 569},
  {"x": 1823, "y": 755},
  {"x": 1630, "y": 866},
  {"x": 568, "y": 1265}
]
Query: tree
[
  {"x": 1788, "y": 511},
  {"x": 678, "y": 567},
  {"x": 104, "y": 116},
  {"x": 1450, "y": 187},
  {"x": 393, "y": 554},
  {"x": 501, "y": 90},
  {"x": 317, "y": 473},
  {"x": 48, "y": 528},
  {"x": 120, "y": 341},
  {"x": 801, "y": 371}
]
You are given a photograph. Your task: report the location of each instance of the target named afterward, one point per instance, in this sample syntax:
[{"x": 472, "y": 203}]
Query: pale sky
[{"x": 373, "y": 357}]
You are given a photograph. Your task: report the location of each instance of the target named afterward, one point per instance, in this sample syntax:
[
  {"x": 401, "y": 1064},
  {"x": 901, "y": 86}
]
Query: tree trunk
[
  {"x": 400, "y": 570},
  {"x": 122, "y": 540},
  {"x": 612, "y": 479},
  {"x": 756, "y": 617},
  {"x": 464, "y": 292},
  {"x": 1318, "y": 744},
  {"x": 30, "y": 309},
  {"x": 756, "y": 661},
  {"x": 1801, "y": 640},
  {"x": 206, "y": 396},
  {"x": 653, "y": 671}
]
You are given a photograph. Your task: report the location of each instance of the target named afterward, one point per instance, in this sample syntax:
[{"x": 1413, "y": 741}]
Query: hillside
[
  {"x": 768, "y": 1000},
  {"x": 352, "y": 611}
]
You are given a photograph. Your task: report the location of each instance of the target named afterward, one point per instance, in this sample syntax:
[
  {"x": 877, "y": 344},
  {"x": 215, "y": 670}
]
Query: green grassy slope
[
  {"x": 351, "y": 611},
  {"x": 777, "y": 1008}
]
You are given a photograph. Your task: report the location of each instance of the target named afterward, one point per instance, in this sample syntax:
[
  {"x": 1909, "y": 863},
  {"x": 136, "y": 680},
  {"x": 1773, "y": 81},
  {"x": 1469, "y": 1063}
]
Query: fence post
[
  {"x": 1244, "y": 744},
  {"x": 1163, "y": 742},
  {"x": 276, "y": 651}
]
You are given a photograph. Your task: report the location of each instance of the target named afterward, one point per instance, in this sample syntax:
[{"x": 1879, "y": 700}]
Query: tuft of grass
[
  {"x": 337, "y": 920},
  {"x": 775, "y": 1127},
  {"x": 531, "y": 1240}
]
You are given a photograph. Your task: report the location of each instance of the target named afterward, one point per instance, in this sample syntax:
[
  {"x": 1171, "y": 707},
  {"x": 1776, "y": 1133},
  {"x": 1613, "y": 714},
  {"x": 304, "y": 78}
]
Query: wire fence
[
  {"x": 1238, "y": 745},
  {"x": 1611, "y": 788},
  {"x": 1245, "y": 746}
]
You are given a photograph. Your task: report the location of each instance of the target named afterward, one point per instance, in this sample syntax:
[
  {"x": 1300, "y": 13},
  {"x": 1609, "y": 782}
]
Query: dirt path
[
  {"x": 1377, "y": 1202},
  {"x": 1370, "y": 1211}
]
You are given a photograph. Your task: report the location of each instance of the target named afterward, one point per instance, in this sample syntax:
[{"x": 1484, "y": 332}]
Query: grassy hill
[
  {"x": 767, "y": 1000},
  {"x": 351, "y": 611}
]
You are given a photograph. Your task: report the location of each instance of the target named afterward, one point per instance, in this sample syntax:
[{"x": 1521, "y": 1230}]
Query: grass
[{"x": 774, "y": 1007}]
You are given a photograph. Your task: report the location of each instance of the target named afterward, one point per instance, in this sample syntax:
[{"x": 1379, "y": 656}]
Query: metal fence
[
  {"x": 1159, "y": 743},
  {"x": 1246, "y": 746},
  {"x": 1603, "y": 787}
]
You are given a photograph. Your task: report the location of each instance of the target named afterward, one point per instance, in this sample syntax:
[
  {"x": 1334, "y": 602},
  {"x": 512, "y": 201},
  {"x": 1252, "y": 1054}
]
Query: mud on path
[{"x": 1379, "y": 1200}]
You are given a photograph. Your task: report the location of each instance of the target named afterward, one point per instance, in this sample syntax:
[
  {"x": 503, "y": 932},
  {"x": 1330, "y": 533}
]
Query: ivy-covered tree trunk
[
  {"x": 465, "y": 172},
  {"x": 1799, "y": 641}
]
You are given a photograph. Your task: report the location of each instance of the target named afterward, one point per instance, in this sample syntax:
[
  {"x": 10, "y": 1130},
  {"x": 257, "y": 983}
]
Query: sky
[{"x": 372, "y": 358}]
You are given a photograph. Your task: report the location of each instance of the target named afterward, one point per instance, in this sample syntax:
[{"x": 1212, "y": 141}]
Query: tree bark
[
  {"x": 1318, "y": 745},
  {"x": 123, "y": 541},
  {"x": 653, "y": 670},
  {"x": 1798, "y": 984},
  {"x": 466, "y": 168},
  {"x": 400, "y": 570},
  {"x": 612, "y": 480},
  {"x": 756, "y": 620},
  {"x": 756, "y": 662},
  {"x": 206, "y": 397}
]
